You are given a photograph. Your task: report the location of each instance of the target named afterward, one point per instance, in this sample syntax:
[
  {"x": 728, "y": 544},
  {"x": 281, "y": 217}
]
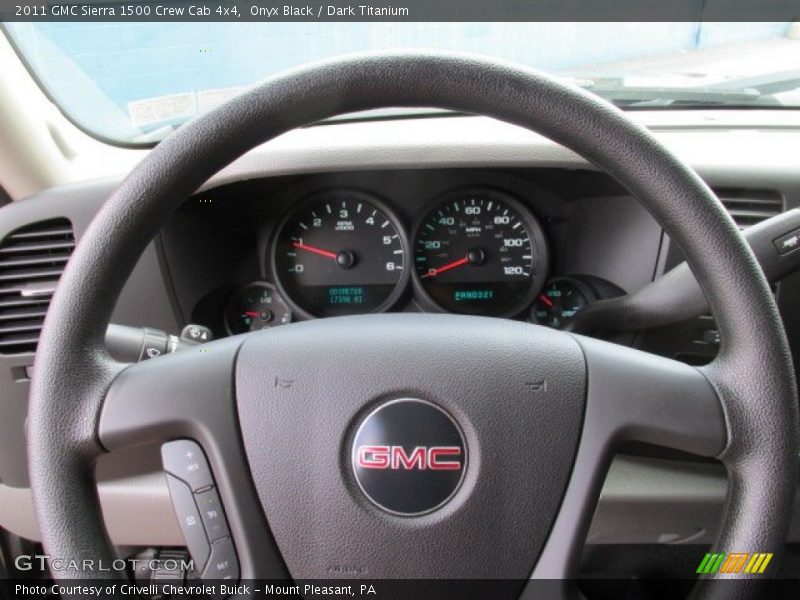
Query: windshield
[{"x": 133, "y": 83}]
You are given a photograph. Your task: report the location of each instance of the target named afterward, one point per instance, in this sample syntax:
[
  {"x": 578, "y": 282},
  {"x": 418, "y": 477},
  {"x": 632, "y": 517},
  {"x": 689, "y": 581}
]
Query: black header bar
[{"x": 399, "y": 10}]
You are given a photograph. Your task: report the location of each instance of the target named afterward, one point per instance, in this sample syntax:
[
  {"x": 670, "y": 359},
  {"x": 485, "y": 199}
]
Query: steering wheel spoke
[
  {"x": 635, "y": 396},
  {"x": 632, "y": 396},
  {"x": 189, "y": 394},
  {"x": 186, "y": 401}
]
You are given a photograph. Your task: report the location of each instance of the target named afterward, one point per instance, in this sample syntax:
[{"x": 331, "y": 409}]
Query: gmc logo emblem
[{"x": 434, "y": 458}]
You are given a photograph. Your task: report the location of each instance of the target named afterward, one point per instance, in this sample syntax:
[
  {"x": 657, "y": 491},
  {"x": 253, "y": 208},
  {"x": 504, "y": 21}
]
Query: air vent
[
  {"x": 31, "y": 261},
  {"x": 748, "y": 207}
]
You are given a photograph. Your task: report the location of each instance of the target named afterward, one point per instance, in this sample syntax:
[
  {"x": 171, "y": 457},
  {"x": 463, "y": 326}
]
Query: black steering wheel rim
[{"x": 753, "y": 373}]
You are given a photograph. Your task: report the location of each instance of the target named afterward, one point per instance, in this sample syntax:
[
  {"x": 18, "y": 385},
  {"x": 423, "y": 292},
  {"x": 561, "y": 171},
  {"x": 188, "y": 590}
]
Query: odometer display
[
  {"x": 340, "y": 253},
  {"x": 480, "y": 252}
]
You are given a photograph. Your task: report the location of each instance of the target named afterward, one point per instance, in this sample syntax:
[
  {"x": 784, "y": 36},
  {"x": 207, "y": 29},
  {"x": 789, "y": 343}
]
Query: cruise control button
[
  {"x": 211, "y": 512},
  {"x": 222, "y": 564},
  {"x": 190, "y": 521},
  {"x": 185, "y": 460}
]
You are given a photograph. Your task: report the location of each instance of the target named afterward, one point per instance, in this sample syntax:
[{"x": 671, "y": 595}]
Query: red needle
[
  {"x": 447, "y": 267},
  {"x": 546, "y": 300},
  {"x": 315, "y": 250},
  {"x": 251, "y": 313}
]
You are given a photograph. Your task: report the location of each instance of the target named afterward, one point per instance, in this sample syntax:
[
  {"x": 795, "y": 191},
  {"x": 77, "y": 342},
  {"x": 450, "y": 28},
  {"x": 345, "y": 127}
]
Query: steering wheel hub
[{"x": 345, "y": 454}]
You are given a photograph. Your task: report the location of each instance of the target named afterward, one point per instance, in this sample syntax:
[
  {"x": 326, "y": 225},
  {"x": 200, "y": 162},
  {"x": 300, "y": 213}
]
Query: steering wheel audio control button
[
  {"x": 199, "y": 510},
  {"x": 190, "y": 521},
  {"x": 223, "y": 563},
  {"x": 212, "y": 514},
  {"x": 185, "y": 460}
]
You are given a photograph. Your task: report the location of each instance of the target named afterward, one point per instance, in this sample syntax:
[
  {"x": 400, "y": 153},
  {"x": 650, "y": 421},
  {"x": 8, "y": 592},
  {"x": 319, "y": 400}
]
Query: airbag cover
[{"x": 515, "y": 391}]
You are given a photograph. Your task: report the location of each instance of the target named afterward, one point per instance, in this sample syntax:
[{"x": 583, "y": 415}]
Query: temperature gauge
[
  {"x": 256, "y": 306},
  {"x": 560, "y": 302}
]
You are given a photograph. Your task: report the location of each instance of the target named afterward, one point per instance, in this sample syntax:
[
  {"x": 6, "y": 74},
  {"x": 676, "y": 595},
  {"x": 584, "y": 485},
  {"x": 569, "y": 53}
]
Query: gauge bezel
[
  {"x": 365, "y": 196},
  {"x": 580, "y": 285},
  {"x": 538, "y": 237},
  {"x": 239, "y": 290}
]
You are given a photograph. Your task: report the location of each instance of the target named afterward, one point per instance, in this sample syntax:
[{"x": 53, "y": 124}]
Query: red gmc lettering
[
  {"x": 373, "y": 457},
  {"x": 416, "y": 460},
  {"x": 435, "y": 458}
]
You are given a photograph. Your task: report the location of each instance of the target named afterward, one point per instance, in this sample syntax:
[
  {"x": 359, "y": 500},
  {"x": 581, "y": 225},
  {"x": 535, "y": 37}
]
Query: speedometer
[
  {"x": 340, "y": 253},
  {"x": 480, "y": 252}
]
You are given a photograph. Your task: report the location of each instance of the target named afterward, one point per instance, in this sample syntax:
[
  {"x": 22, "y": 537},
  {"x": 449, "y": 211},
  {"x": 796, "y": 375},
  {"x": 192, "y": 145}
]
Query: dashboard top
[{"x": 708, "y": 140}]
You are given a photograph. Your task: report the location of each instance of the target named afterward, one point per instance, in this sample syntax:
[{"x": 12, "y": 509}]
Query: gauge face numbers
[
  {"x": 480, "y": 253},
  {"x": 560, "y": 302},
  {"x": 256, "y": 306},
  {"x": 340, "y": 253}
]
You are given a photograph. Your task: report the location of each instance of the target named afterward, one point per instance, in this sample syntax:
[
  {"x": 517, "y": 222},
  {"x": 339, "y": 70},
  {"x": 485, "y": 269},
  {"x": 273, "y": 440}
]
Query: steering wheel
[{"x": 413, "y": 445}]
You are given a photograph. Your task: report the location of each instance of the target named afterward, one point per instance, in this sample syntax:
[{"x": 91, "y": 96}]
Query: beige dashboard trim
[
  {"x": 643, "y": 501},
  {"x": 137, "y": 511},
  {"x": 481, "y": 142}
]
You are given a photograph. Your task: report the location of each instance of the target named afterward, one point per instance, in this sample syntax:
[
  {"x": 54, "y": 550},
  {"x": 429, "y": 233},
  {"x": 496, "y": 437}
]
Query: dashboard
[
  {"x": 224, "y": 258},
  {"x": 500, "y": 244}
]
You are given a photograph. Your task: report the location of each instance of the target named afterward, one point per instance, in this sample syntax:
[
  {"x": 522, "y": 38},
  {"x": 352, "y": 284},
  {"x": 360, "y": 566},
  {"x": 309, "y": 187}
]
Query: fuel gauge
[
  {"x": 256, "y": 306},
  {"x": 560, "y": 302}
]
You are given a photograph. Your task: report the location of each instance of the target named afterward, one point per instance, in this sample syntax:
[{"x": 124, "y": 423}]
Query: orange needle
[
  {"x": 315, "y": 250},
  {"x": 447, "y": 267},
  {"x": 546, "y": 300}
]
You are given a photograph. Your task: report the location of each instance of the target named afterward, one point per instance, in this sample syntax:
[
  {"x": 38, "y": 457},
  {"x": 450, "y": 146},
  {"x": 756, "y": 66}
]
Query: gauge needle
[
  {"x": 315, "y": 250},
  {"x": 546, "y": 300},
  {"x": 251, "y": 313},
  {"x": 447, "y": 267}
]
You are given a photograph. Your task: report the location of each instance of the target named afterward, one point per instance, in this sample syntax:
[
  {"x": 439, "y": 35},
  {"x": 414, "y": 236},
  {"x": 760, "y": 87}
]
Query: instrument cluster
[{"x": 343, "y": 251}]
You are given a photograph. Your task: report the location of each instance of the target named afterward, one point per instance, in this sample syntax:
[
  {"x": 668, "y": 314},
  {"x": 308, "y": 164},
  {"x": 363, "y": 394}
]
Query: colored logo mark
[{"x": 754, "y": 563}]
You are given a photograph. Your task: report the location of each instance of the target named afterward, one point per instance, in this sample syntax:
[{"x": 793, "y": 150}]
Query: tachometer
[
  {"x": 480, "y": 252},
  {"x": 341, "y": 253}
]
